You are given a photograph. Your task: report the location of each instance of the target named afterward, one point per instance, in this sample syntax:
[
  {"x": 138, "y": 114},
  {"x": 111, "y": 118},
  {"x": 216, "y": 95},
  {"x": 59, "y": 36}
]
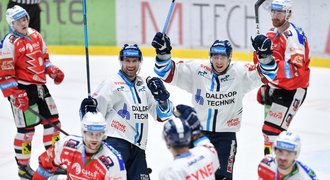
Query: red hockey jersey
[
  {"x": 23, "y": 59},
  {"x": 291, "y": 53}
]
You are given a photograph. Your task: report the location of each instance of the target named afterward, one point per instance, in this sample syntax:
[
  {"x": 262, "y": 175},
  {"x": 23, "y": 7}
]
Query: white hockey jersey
[
  {"x": 126, "y": 105},
  {"x": 200, "y": 162},
  {"x": 217, "y": 99},
  {"x": 267, "y": 170}
]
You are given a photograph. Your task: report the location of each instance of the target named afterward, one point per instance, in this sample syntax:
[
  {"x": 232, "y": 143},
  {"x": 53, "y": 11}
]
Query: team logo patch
[
  {"x": 26, "y": 148},
  {"x": 107, "y": 161},
  {"x": 71, "y": 143},
  {"x": 124, "y": 112}
]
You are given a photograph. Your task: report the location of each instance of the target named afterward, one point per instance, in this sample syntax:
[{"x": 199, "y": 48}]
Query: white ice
[{"x": 312, "y": 122}]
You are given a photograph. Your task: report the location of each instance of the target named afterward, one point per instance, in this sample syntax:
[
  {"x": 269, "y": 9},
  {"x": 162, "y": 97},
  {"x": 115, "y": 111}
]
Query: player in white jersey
[
  {"x": 285, "y": 166},
  {"x": 199, "y": 162},
  {"x": 126, "y": 100},
  {"x": 218, "y": 87},
  {"x": 86, "y": 157}
]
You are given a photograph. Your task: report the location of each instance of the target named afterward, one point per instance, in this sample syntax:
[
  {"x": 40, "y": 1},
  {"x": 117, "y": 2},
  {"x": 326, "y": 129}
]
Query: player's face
[
  {"x": 21, "y": 26},
  {"x": 278, "y": 17},
  {"x": 130, "y": 66},
  {"x": 285, "y": 159},
  {"x": 93, "y": 141},
  {"x": 220, "y": 62}
]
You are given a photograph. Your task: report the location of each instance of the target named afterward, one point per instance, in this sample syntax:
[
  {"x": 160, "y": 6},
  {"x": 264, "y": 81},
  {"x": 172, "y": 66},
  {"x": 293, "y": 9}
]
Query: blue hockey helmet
[
  {"x": 221, "y": 47},
  {"x": 131, "y": 50},
  {"x": 177, "y": 132}
]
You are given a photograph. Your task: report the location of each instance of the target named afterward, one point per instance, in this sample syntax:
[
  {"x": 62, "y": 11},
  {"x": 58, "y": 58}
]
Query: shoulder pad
[
  {"x": 107, "y": 161},
  {"x": 267, "y": 160},
  {"x": 71, "y": 143}
]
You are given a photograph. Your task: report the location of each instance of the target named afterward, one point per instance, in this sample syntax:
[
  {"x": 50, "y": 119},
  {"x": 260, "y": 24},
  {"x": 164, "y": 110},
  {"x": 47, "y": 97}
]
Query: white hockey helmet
[
  {"x": 288, "y": 141},
  {"x": 15, "y": 13},
  {"x": 93, "y": 122},
  {"x": 281, "y": 5}
]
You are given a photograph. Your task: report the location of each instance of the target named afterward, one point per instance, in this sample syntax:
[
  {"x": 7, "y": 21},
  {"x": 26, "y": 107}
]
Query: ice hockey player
[
  {"x": 127, "y": 100},
  {"x": 217, "y": 87},
  {"x": 199, "y": 162},
  {"x": 85, "y": 157},
  {"x": 24, "y": 64},
  {"x": 283, "y": 96},
  {"x": 285, "y": 166}
]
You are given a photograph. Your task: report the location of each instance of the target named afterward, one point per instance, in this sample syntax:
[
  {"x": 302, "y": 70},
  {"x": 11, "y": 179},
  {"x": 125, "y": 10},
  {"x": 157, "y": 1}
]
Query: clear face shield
[{"x": 279, "y": 14}]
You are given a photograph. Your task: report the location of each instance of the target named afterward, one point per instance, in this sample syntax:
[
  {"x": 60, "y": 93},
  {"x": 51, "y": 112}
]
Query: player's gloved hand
[
  {"x": 157, "y": 88},
  {"x": 188, "y": 114},
  {"x": 263, "y": 47},
  {"x": 261, "y": 94},
  {"x": 55, "y": 73},
  {"x": 20, "y": 99},
  {"x": 162, "y": 44},
  {"x": 87, "y": 105}
]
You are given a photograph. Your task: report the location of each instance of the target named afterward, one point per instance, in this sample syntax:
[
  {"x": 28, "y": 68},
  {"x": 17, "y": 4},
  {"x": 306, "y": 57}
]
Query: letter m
[{"x": 146, "y": 10}]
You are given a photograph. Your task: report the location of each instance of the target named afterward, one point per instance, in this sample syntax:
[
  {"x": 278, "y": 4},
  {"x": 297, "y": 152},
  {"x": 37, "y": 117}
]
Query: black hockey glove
[
  {"x": 157, "y": 89},
  {"x": 188, "y": 114},
  {"x": 87, "y": 105},
  {"x": 263, "y": 47},
  {"x": 162, "y": 44}
]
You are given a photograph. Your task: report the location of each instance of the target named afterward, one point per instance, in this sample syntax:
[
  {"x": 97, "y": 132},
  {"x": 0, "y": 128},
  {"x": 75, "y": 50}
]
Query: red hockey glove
[
  {"x": 46, "y": 160},
  {"x": 55, "y": 73},
  {"x": 261, "y": 94},
  {"x": 20, "y": 99}
]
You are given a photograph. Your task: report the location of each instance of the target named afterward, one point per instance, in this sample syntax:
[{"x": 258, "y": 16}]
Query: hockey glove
[
  {"x": 55, "y": 73},
  {"x": 20, "y": 99},
  {"x": 188, "y": 114},
  {"x": 263, "y": 47},
  {"x": 261, "y": 94},
  {"x": 162, "y": 44},
  {"x": 157, "y": 88},
  {"x": 87, "y": 105}
]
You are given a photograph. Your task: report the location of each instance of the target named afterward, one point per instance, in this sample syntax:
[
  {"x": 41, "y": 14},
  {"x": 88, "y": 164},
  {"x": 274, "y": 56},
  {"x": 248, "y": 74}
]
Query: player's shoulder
[
  {"x": 267, "y": 168},
  {"x": 8, "y": 40},
  {"x": 295, "y": 33},
  {"x": 174, "y": 170},
  {"x": 71, "y": 141},
  {"x": 110, "y": 156},
  {"x": 268, "y": 161},
  {"x": 303, "y": 167}
]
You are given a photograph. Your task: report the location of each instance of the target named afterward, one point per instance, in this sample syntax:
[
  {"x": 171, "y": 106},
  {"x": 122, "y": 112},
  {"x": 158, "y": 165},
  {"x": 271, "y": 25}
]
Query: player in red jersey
[
  {"x": 283, "y": 165},
  {"x": 24, "y": 64},
  {"x": 284, "y": 95},
  {"x": 86, "y": 157}
]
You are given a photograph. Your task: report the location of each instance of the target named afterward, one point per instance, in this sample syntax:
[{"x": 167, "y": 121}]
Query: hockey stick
[
  {"x": 168, "y": 16},
  {"x": 256, "y": 12},
  {"x": 86, "y": 49},
  {"x": 45, "y": 119}
]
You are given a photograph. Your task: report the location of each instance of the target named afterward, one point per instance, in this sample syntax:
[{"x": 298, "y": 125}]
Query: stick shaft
[
  {"x": 168, "y": 17},
  {"x": 256, "y": 12},
  {"x": 47, "y": 120},
  {"x": 86, "y": 48}
]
